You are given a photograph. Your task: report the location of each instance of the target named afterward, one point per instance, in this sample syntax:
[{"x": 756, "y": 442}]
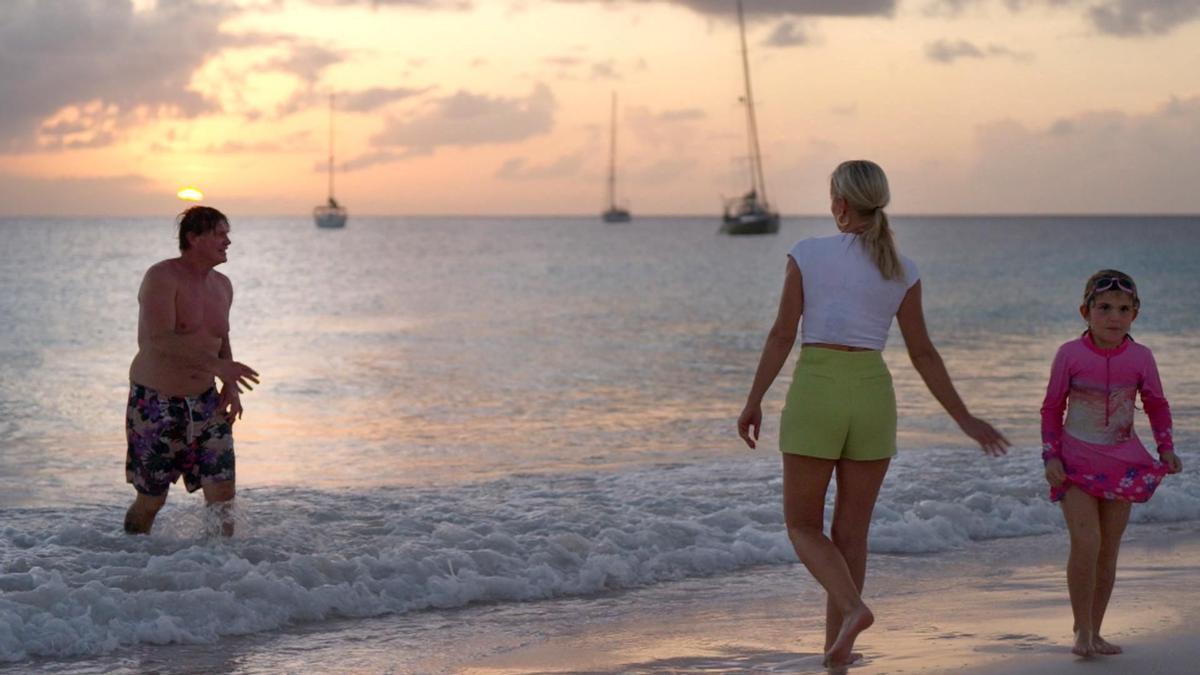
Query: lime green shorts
[{"x": 841, "y": 405}]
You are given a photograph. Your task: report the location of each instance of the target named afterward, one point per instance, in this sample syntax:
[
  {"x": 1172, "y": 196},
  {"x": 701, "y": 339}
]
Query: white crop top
[{"x": 846, "y": 300}]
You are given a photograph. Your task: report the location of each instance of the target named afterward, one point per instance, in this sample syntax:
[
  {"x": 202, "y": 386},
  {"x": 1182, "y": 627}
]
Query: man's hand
[
  {"x": 230, "y": 404},
  {"x": 1055, "y": 473},
  {"x": 238, "y": 375},
  {"x": 1174, "y": 464}
]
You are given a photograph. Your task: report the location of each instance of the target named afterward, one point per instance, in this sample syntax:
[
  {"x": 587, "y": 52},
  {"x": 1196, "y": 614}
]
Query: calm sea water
[{"x": 459, "y": 413}]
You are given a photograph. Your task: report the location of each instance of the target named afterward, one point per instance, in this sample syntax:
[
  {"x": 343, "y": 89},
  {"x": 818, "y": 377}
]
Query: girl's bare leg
[
  {"x": 1114, "y": 515},
  {"x": 858, "y": 486},
  {"x": 1082, "y": 513},
  {"x": 805, "y": 481}
]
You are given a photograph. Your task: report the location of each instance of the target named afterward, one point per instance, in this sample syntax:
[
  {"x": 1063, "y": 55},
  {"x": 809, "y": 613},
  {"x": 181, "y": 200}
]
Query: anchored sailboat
[
  {"x": 614, "y": 213},
  {"x": 331, "y": 214},
  {"x": 751, "y": 213}
]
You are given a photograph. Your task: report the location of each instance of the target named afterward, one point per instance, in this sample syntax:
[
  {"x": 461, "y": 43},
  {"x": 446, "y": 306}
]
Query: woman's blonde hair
[{"x": 864, "y": 186}]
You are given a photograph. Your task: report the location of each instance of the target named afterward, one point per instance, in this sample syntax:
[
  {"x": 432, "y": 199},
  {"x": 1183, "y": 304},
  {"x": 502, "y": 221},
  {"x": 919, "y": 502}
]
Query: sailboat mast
[
  {"x": 331, "y": 148},
  {"x": 756, "y": 172},
  {"x": 612, "y": 156}
]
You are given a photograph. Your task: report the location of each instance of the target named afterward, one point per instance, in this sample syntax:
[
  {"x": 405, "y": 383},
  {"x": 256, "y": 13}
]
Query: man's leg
[
  {"x": 140, "y": 516},
  {"x": 219, "y": 498}
]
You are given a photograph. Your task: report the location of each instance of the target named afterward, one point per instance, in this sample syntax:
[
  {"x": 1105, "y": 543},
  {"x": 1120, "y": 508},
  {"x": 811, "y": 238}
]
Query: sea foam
[{"x": 73, "y": 584}]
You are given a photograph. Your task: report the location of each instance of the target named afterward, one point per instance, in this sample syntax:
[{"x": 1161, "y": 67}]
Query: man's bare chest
[{"x": 201, "y": 308}]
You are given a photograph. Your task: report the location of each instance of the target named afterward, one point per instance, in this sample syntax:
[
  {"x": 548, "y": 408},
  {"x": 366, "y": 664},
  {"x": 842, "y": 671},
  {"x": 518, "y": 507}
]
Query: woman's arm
[
  {"x": 775, "y": 352},
  {"x": 928, "y": 362}
]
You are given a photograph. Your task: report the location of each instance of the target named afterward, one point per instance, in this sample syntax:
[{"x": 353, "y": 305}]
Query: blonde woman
[{"x": 840, "y": 412}]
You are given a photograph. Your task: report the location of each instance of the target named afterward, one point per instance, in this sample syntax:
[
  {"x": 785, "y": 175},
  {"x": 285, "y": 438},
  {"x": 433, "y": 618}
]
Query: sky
[{"x": 109, "y": 107}]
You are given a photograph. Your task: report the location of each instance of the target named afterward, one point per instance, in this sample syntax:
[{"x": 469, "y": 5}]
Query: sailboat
[
  {"x": 614, "y": 213},
  {"x": 751, "y": 213},
  {"x": 331, "y": 214}
]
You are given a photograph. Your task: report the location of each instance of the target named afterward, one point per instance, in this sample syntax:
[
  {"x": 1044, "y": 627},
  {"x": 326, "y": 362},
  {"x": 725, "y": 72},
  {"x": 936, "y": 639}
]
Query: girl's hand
[
  {"x": 991, "y": 441},
  {"x": 230, "y": 404},
  {"x": 1174, "y": 464},
  {"x": 751, "y": 418},
  {"x": 1055, "y": 473}
]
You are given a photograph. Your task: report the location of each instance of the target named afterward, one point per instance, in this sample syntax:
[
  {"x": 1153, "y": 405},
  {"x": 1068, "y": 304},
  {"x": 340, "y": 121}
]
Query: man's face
[{"x": 211, "y": 246}]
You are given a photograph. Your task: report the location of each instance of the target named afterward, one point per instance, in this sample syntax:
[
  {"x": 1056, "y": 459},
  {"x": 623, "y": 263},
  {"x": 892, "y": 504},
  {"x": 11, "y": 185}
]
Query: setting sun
[{"x": 190, "y": 194}]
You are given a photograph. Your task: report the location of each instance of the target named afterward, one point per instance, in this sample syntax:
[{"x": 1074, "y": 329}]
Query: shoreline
[{"x": 1006, "y": 611}]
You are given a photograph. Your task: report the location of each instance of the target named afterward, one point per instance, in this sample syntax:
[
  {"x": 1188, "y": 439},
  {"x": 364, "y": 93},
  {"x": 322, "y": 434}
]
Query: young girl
[{"x": 1096, "y": 466}]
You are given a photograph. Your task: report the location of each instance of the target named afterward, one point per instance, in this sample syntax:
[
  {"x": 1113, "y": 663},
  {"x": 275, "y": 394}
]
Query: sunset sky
[{"x": 108, "y": 107}]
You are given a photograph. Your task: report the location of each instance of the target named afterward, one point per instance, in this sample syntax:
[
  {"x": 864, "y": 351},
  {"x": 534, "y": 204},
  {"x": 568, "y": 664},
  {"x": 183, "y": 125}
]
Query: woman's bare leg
[
  {"x": 1082, "y": 513},
  {"x": 1114, "y": 515},
  {"x": 805, "y": 482},
  {"x": 858, "y": 486}
]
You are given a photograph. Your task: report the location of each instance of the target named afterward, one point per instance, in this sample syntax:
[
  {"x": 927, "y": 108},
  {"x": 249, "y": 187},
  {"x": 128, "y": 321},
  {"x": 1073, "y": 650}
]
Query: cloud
[
  {"x": 945, "y": 51},
  {"x": 101, "y": 64},
  {"x": 778, "y": 8},
  {"x": 516, "y": 169},
  {"x": 1122, "y": 18},
  {"x": 306, "y": 61},
  {"x": 1095, "y": 162},
  {"x": 466, "y": 119},
  {"x": 787, "y": 34},
  {"x": 76, "y": 195},
  {"x": 376, "y": 97},
  {"x": 1142, "y": 17}
]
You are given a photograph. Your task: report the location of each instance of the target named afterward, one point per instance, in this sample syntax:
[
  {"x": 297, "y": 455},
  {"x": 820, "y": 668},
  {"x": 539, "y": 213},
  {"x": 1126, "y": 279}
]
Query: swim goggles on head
[
  {"x": 1105, "y": 284},
  {"x": 1109, "y": 283}
]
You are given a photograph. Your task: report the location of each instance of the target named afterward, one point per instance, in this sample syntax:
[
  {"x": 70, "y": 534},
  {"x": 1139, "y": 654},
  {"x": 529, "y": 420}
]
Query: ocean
[{"x": 473, "y": 431}]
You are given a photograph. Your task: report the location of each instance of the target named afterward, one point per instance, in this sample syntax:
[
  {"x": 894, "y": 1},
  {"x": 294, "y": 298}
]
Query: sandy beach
[{"x": 999, "y": 608}]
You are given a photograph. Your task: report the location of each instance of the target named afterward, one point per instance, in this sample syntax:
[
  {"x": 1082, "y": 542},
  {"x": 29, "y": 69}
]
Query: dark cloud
[
  {"x": 787, "y": 34},
  {"x": 466, "y": 119},
  {"x": 55, "y": 55},
  {"x": 776, "y": 8},
  {"x": 946, "y": 51},
  {"x": 1142, "y": 17},
  {"x": 1123, "y": 18}
]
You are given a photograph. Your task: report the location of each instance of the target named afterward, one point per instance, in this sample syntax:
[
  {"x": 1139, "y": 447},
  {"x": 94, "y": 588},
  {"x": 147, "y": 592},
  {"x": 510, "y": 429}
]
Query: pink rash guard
[{"x": 1098, "y": 447}]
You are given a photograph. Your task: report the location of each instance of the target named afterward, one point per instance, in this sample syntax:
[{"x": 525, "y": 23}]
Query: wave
[{"x": 74, "y": 585}]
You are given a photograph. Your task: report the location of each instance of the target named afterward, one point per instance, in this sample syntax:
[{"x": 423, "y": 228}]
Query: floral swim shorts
[{"x": 173, "y": 436}]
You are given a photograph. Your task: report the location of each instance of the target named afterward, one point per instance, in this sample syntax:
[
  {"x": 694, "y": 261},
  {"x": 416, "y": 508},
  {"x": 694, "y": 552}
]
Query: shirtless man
[{"x": 176, "y": 423}]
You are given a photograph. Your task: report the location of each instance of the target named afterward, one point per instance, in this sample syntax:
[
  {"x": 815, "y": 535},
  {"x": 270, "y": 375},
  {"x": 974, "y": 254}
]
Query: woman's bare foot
[
  {"x": 1102, "y": 646},
  {"x": 855, "y": 657},
  {"x": 854, "y": 623},
  {"x": 1083, "y": 644}
]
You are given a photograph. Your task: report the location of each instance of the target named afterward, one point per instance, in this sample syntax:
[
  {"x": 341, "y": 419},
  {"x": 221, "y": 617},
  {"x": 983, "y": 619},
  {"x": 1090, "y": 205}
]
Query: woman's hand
[
  {"x": 1174, "y": 464},
  {"x": 751, "y": 418},
  {"x": 991, "y": 441},
  {"x": 1055, "y": 473}
]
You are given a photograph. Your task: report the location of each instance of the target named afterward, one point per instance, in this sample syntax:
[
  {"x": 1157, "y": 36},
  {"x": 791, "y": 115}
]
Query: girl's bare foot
[
  {"x": 1083, "y": 644},
  {"x": 854, "y": 623},
  {"x": 1102, "y": 646}
]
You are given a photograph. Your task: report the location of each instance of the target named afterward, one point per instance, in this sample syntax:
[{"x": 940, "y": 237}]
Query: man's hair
[{"x": 198, "y": 220}]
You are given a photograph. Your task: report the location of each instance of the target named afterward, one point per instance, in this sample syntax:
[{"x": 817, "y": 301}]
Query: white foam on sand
[{"x": 72, "y": 584}]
